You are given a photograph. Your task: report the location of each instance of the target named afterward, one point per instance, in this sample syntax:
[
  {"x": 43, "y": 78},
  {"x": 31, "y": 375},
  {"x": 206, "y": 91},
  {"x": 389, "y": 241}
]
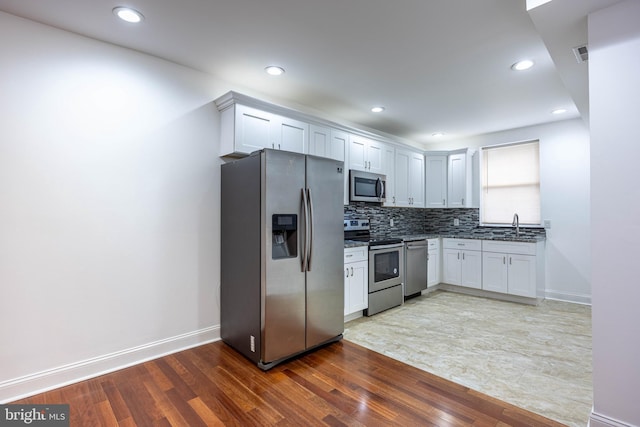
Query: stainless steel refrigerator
[{"x": 281, "y": 290}]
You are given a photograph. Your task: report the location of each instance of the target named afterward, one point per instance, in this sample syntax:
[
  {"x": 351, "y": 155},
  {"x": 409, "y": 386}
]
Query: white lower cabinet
[
  {"x": 510, "y": 267},
  {"x": 433, "y": 262},
  {"x": 462, "y": 262},
  {"x": 356, "y": 275}
]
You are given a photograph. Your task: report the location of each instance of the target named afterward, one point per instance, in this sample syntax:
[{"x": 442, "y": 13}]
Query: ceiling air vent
[{"x": 581, "y": 53}]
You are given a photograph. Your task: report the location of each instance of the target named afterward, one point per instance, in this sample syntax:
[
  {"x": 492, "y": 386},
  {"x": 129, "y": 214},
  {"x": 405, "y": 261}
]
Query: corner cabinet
[
  {"x": 246, "y": 129},
  {"x": 452, "y": 179},
  {"x": 356, "y": 276}
]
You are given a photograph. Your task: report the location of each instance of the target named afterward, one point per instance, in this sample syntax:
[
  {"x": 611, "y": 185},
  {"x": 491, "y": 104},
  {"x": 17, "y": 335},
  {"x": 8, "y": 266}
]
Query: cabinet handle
[
  {"x": 394, "y": 200},
  {"x": 278, "y": 146},
  {"x": 463, "y": 201},
  {"x": 458, "y": 255},
  {"x": 463, "y": 256},
  {"x": 509, "y": 260},
  {"x": 349, "y": 255},
  {"x": 444, "y": 202},
  {"x": 347, "y": 270},
  {"x": 351, "y": 271},
  {"x": 504, "y": 260},
  {"x": 273, "y": 145}
]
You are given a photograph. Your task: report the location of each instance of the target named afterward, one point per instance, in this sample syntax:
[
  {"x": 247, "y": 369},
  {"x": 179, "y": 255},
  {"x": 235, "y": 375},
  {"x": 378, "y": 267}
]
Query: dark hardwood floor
[{"x": 340, "y": 384}]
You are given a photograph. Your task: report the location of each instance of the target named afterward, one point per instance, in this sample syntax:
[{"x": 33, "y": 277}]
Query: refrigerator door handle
[
  {"x": 305, "y": 227},
  {"x": 310, "y": 229}
]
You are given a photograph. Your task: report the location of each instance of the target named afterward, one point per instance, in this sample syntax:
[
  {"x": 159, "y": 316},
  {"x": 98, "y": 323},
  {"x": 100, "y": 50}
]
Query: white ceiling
[{"x": 436, "y": 65}]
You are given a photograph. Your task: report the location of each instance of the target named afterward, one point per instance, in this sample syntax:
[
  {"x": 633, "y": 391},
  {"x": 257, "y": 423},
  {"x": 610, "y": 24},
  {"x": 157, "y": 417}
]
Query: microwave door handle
[{"x": 379, "y": 189}]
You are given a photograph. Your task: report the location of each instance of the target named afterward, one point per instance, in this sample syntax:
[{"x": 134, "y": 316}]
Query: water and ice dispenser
[{"x": 284, "y": 236}]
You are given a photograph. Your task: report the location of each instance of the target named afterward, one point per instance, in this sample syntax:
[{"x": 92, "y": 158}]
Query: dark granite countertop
[{"x": 476, "y": 236}]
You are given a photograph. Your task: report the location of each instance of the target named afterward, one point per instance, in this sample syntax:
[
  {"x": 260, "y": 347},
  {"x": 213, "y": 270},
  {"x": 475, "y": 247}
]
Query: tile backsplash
[{"x": 407, "y": 221}]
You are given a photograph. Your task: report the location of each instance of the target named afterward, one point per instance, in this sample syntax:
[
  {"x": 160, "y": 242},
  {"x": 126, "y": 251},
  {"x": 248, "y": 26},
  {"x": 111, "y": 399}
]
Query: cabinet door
[
  {"x": 471, "y": 274},
  {"x": 358, "y": 294},
  {"x": 436, "y": 182},
  {"x": 494, "y": 272},
  {"x": 253, "y": 129},
  {"x": 402, "y": 165},
  {"x": 451, "y": 261},
  {"x": 457, "y": 180},
  {"x": 358, "y": 153},
  {"x": 320, "y": 141},
  {"x": 291, "y": 135},
  {"x": 416, "y": 180},
  {"x": 522, "y": 275},
  {"x": 433, "y": 268},
  {"x": 375, "y": 156},
  {"x": 339, "y": 143},
  {"x": 390, "y": 172}
]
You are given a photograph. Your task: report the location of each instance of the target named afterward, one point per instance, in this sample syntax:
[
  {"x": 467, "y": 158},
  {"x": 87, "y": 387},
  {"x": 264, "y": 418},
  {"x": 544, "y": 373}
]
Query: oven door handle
[{"x": 379, "y": 247}]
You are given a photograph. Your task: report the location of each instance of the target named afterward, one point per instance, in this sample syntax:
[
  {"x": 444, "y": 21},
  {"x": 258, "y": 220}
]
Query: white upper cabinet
[
  {"x": 390, "y": 187},
  {"x": 290, "y": 135},
  {"x": 366, "y": 155},
  {"x": 462, "y": 183},
  {"x": 436, "y": 181},
  {"x": 409, "y": 178},
  {"x": 457, "y": 178},
  {"x": 247, "y": 129},
  {"x": 327, "y": 142}
]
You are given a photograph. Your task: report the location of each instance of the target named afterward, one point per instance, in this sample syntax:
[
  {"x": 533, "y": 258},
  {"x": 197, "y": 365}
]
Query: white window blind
[{"x": 510, "y": 183}]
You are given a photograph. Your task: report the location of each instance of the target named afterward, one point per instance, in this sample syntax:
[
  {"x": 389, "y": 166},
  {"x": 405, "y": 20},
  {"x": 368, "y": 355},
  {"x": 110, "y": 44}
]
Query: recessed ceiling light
[
  {"x": 559, "y": 111},
  {"x": 128, "y": 14},
  {"x": 522, "y": 65},
  {"x": 437, "y": 134},
  {"x": 274, "y": 70},
  {"x": 377, "y": 109}
]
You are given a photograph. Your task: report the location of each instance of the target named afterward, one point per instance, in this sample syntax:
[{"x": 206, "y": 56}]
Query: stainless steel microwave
[{"x": 366, "y": 186}]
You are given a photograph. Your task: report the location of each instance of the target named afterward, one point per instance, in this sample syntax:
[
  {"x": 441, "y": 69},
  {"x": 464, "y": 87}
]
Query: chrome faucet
[{"x": 516, "y": 224}]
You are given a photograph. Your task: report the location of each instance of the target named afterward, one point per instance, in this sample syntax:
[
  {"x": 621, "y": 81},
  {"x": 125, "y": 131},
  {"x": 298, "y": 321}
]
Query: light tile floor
[{"x": 535, "y": 357}]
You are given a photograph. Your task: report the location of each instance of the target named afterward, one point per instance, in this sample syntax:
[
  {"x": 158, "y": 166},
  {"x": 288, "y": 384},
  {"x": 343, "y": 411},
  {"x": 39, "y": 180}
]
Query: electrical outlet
[
  {"x": 391, "y": 222},
  {"x": 456, "y": 222},
  {"x": 547, "y": 224}
]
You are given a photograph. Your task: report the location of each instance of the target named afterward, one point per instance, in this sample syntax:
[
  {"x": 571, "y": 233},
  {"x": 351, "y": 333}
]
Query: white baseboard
[
  {"x": 567, "y": 297},
  {"x": 50, "y": 379},
  {"x": 598, "y": 420},
  {"x": 353, "y": 316}
]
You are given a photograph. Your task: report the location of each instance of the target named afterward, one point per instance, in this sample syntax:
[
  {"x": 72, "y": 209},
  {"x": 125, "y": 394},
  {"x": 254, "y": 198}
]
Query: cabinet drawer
[
  {"x": 433, "y": 243},
  {"x": 522, "y": 248},
  {"x": 467, "y": 244},
  {"x": 360, "y": 253}
]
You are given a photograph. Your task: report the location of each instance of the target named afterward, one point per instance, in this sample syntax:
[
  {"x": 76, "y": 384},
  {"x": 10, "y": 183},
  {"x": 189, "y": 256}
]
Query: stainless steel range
[{"x": 385, "y": 265}]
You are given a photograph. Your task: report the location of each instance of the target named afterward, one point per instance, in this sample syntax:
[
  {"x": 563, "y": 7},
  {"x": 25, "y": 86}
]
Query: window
[{"x": 510, "y": 183}]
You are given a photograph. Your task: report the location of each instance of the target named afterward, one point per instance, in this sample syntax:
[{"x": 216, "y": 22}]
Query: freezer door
[
  {"x": 325, "y": 284},
  {"x": 283, "y": 284}
]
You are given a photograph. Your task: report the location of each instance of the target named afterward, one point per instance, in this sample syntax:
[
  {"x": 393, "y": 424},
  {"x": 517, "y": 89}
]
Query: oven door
[{"x": 385, "y": 266}]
